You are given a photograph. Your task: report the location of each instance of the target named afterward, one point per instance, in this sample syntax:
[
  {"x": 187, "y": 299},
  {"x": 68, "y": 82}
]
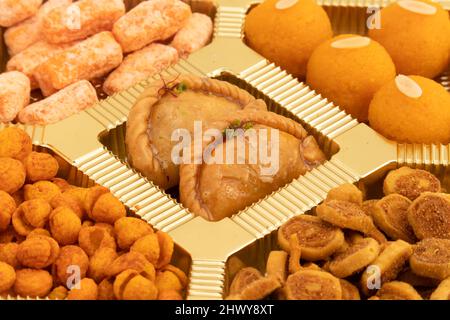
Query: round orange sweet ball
[
  {"x": 417, "y": 36},
  {"x": 348, "y": 70},
  {"x": 412, "y": 109},
  {"x": 287, "y": 31}
]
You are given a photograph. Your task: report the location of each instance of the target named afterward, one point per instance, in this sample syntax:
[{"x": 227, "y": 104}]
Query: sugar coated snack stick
[
  {"x": 194, "y": 35},
  {"x": 139, "y": 66},
  {"x": 15, "y": 11},
  {"x": 68, "y": 101},
  {"x": 89, "y": 59},
  {"x": 150, "y": 21},
  {"x": 14, "y": 94},
  {"x": 32, "y": 57},
  {"x": 24, "y": 34},
  {"x": 81, "y": 19}
]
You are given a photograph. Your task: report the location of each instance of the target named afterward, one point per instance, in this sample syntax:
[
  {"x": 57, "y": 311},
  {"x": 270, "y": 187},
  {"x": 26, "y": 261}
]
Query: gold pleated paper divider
[
  {"x": 206, "y": 280},
  {"x": 229, "y": 22}
]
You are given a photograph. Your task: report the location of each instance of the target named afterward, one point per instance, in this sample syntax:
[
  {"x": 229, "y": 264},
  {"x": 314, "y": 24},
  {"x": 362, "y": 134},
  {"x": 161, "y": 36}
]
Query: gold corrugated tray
[{"x": 181, "y": 258}]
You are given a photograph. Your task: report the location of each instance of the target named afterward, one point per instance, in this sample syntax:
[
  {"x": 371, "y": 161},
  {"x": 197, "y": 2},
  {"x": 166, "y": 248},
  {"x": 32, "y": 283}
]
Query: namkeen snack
[
  {"x": 32, "y": 57},
  {"x": 66, "y": 102},
  {"x": 15, "y": 11},
  {"x": 140, "y": 65},
  {"x": 400, "y": 108},
  {"x": 194, "y": 35},
  {"x": 14, "y": 94},
  {"x": 322, "y": 261},
  {"x": 287, "y": 32},
  {"x": 349, "y": 70},
  {"x": 24, "y": 34},
  {"x": 150, "y": 21},
  {"x": 89, "y": 59},
  {"x": 417, "y": 36},
  {"x": 81, "y": 19},
  {"x": 59, "y": 241}
]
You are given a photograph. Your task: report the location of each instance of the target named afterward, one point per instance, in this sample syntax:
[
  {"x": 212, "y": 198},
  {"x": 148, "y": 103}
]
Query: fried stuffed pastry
[
  {"x": 170, "y": 107},
  {"x": 252, "y": 154}
]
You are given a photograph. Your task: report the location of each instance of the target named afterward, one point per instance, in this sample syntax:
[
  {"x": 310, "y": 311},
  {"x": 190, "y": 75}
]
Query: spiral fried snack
[
  {"x": 348, "y": 215},
  {"x": 410, "y": 183},
  {"x": 397, "y": 290},
  {"x": 312, "y": 285},
  {"x": 390, "y": 215},
  {"x": 368, "y": 205},
  {"x": 429, "y": 215},
  {"x": 243, "y": 278},
  {"x": 415, "y": 280},
  {"x": 295, "y": 253},
  {"x": 346, "y": 192},
  {"x": 276, "y": 265},
  {"x": 355, "y": 258},
  {"x": 349, "y": 291},
  {"x": 249, "y": 284},
  {"x": 431, "y": 258},
  {"x": 442, "y": 292},
  {"x": 318, "y": 239},
  {"x": 386, "y": 266}
]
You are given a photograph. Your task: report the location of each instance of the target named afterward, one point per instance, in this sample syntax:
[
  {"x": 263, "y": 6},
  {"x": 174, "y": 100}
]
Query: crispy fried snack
[
  {"x": 41, "y": 190},
  {"x": 431, "y": 258},
  {"x": 244, "y": 278},
  {"x": 390, "y": 215},
  {"x": 91, "y": 58},
  {"x": 38, "y": 252},
  {"x": 442, "y": 292},
  {"x": 346, "y": 192},
  {"x": 33, "y": 283},
  {"x": 397, "y": 290},
  {"x": 30, "y": 215},
  {"x": 167, "y": 280},
  {"x": 349, "y": 291},
  {"x": 149, "y": 246},
  {"x": 131, "y": 260},
  {"x": 85, "y": 290},
  {"x": 166, "y": 246},
  {"x": 70, "y": 256},
  {"x": 130, "y": 285},
  {"x": 12, "y": 175},
  {"x": 7, "y": 208},
  {"x": 93, "y": 238},
  {"x": 348, "y": 215},
  {"x": 69, "y": 201},
  {"x": 318, "y": 239},
  {"x": 106, "y": 290},
  {"x": 59, "y": 293},
  {"x": 39, "y": 232},
  {"x": 150, "y": 21},
  {"x": 65, "y": 225},
  {"x": 10, "y": 235},
  {"x": 102, "y": 206},
  {"x": 429, "y": 215},
  {"x": 81, "y": 20},
  {"x": 410, "y": 183},
  {"x": 312, "y": 285},
  {"x": 368, "y": 205},
  {"x": 389, "y": 263},
  {"x": 276, "y": 265},
  {"x": 355, "y": 258},
  {"x": 40, "y": 166},
  {"x": 100, "y": 262},
  {"x": 16, "y": 11},
  {"x": 79, "y": 194},
  {"x": 415, "y": 280},
  {"x": 14, "y": 143},
  {"x": 7, "y": 276},
  {"x": 295, "y": 253},
  {"x": 129, "y": 229},
  {"x": 62, "y": 184},
  {"x": 8, "y": 253},
  {"x": 169, "y": 295},
  {"x": 194, "y": 35}
]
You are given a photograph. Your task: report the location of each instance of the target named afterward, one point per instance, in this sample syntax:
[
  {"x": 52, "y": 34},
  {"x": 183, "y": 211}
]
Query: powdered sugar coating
[
  {"x": 194, "y": 35},
  {"x": 14, "y": 94},
  {"x": 139, "y": 66},
  {"x": 66, "y": 102},
  {"x": 15, "y": 11}
]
